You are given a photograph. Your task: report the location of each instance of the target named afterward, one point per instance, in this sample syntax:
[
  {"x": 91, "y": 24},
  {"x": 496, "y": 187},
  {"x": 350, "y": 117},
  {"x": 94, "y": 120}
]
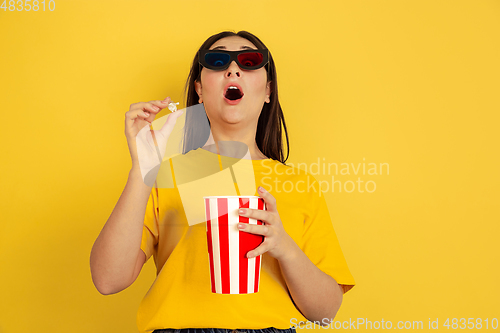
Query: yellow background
[{"x": 410, "y": 83}]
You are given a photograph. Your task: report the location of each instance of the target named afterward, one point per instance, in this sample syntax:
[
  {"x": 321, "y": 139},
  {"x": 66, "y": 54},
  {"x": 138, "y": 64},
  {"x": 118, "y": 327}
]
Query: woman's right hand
[{"x": 139, "y": 137}]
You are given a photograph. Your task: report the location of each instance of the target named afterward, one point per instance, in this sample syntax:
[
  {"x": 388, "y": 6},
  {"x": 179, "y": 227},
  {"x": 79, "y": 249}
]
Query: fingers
[
  {"x": 170, "y": 123},
  {"x": 154, "y": 106},
  {"x": 254, "y": 228},
  {"x": 258, "y": 251},
  {"x": 147, "y": 110},
  {"x": 160, "y": 104},
  {"x": 132, "y": 115},
  {"x": 258, "y": 230},
  {"x": 257, "y": 214},
  {"x": 261, "y": 249},
  {"x": 268, "y": 199}
]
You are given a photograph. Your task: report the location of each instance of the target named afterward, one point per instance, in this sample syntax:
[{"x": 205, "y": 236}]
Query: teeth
[{"x": 232, "y": 87}]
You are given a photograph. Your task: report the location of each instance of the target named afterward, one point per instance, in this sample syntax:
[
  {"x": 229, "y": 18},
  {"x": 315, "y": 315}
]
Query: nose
[{"x": 233, "y": 69}]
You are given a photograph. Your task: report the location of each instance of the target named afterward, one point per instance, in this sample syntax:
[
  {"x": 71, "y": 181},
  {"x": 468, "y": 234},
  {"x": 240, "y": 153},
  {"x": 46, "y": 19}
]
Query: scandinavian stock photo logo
[{"x": 339, "y": 177}]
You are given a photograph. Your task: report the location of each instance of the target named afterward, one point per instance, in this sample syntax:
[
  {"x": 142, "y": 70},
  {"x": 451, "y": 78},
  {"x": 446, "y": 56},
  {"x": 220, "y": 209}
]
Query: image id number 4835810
[
  {"x": 470, "y": 323},
  {"x": 28, "y": 5}
]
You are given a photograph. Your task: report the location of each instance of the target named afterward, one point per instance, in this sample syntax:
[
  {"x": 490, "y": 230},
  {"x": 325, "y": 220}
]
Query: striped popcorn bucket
[{"x": 231, "y": 272}]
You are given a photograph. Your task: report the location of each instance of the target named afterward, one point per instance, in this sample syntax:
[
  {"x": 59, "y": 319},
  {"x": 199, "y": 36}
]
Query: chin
[
  {"x": 232, "y": 114},
  {"x": 232, "y": 118}
]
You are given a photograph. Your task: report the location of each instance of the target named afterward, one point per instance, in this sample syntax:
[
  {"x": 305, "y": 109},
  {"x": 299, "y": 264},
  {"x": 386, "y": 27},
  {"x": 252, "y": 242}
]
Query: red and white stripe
[{"x": 230, "y": 271}]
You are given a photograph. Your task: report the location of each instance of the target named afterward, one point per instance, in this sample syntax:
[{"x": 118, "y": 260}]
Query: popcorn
[{"x": 173, "y": 106}]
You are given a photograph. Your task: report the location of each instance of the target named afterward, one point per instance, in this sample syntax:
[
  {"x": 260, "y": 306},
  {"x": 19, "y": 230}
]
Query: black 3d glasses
[{"x": 246, "y": 59}]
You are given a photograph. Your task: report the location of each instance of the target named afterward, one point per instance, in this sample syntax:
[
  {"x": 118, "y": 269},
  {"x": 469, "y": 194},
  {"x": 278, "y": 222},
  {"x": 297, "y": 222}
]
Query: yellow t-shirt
[{"x": 181, "y": 295}]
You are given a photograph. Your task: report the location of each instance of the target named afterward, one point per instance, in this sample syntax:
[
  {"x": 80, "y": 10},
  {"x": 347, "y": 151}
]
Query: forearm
[
  {"x": 115, "y": 251},
  {"x": 316, "y": 294}
]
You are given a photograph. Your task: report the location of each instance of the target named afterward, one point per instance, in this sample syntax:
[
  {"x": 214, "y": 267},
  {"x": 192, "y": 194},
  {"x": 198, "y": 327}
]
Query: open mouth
[{"x": 233, "y": 93}]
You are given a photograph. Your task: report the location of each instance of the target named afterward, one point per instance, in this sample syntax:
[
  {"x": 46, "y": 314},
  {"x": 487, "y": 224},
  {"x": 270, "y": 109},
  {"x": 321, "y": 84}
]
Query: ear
[
  {"x": 268, "y": 92},
  {"x": 197, "y": 87}
]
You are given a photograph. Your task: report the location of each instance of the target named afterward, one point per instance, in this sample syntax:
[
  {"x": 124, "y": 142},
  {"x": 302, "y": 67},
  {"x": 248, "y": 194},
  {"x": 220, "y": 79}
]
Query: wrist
[
  {"x": 135, "y": 175},
  {"x": 135, "y": 171},
  {"x": 291, "y": 253}
]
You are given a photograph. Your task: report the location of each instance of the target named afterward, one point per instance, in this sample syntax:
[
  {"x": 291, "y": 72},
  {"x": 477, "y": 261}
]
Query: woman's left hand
[{"x": 276, "y": 241}]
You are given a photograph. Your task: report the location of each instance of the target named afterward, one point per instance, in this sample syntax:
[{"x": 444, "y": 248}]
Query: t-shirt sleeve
[
  {"x": 150, "y": 227},
  {"x": 321, "y": 245}
]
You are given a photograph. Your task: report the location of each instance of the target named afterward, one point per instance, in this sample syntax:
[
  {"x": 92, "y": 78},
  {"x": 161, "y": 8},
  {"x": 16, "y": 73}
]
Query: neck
[{"x": 247, "y": 136}]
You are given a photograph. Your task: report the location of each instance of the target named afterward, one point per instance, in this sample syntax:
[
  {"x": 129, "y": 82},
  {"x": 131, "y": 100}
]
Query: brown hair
[{"x": 271, "y": 119}]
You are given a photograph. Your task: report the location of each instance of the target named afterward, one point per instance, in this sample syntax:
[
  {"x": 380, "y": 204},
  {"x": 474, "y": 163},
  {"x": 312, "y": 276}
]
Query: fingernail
[
  {"x": 261, "y": 189},
  {"x": 242, "y": 211},
  {"x": 241, "y": 226},
  {"x": 146, "y": 114},
  {"x": 164, "y": 102},
  {"x": 155, "y": 108}
]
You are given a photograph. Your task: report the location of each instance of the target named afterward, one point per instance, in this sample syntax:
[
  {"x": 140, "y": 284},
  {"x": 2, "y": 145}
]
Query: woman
[
  {"x": 304, "y": 273},
  {"x": 258, "y": 115}
]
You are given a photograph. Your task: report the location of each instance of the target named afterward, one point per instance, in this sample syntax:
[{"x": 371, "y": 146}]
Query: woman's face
[{"x": 211, "y": 90}]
